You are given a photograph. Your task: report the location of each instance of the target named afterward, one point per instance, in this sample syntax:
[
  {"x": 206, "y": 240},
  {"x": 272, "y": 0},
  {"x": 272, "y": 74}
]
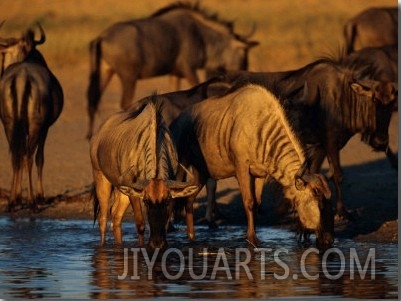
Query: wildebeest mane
[
  {"x": 352, "y": 111},
  {"x": 196, "y": 7},
  {"x": 340, "y": 59},
  {"x": 159, "y": 154}
]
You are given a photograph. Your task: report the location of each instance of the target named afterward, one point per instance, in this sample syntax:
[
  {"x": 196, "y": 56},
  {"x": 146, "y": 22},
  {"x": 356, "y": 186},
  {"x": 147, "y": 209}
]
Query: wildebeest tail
[
  {"x": 20, "y": 93},
  {"x": 96, "y": 207},
  {"x": 94, "y": 78}
]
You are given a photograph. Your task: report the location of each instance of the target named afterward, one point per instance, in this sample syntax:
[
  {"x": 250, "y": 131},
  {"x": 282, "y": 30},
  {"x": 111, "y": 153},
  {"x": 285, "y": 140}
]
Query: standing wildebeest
[
  {"x": 336, "y": 107},
  {"x": 172, "y": 105},
  {"x": 247, "y": 135},
  {"x": 134, "y": 153},
  {"x": 177, "y": 40},
  {"x": 373, "y": 27},
  {"x": 31, "y": 100}
]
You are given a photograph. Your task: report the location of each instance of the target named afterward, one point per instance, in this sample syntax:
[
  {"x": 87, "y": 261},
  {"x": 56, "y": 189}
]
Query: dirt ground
[{"x": 370, "y": 185}]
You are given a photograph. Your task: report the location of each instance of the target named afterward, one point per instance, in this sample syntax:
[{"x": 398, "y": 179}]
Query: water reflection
[{"x": 60, "y": 259}]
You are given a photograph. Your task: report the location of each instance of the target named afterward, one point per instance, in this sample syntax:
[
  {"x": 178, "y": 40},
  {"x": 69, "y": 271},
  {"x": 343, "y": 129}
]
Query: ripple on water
[{"x": 61, "y": 259}]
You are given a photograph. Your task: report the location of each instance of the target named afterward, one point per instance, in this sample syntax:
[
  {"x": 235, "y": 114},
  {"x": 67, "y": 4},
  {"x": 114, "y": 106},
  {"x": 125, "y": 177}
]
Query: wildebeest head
[
  {"x": 16, "y": 50},
  {"x": 157, "y": 195},
  {"x": 384, "y": 98},
  {"x": 233, "y": 56},
  {"x": 314, "y": 209}
]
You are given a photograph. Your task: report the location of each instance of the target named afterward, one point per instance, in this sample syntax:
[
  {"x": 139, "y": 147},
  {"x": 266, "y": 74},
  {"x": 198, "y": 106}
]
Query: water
[{"x": 42, "y": 258}]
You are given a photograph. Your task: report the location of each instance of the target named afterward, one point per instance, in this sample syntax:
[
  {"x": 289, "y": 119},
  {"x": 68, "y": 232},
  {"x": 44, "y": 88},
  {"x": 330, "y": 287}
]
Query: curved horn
[
  {"x": 139, "y": 185},
  {"x": 2, "y": 22},
  {"x": 250, "y": 33},
  {"x": 300, "y": 176},
  {"x": 42, "y": 35},
  {"x": 319, "y": 182},
  {"x": 190, "y": 177},
  {"x": 300, "y": 173},
  {"x": 176, "y": 184}
]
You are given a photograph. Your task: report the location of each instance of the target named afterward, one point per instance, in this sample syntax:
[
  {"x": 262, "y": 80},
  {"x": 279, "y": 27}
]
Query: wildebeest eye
[{"x": 316, "y": 192}]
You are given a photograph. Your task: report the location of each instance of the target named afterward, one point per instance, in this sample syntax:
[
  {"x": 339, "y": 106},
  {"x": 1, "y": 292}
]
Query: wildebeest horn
[
  {"x": 250, "y": 33},
  {"x": 317, "y": 181},
  {"x": 190, "y": 177},
  {"x": 300, "y": 173},
  {"x": 42, "y": 35},
  {"x": 300, "y": 176},
  {"x": 139, "y": 186},
  {"x": 2, "y": 22},
  {"x": 176, "y": 184}
]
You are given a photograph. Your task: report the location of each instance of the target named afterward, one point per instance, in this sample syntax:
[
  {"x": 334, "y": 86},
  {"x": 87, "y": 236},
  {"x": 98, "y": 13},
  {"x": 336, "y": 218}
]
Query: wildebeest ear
[
  {"x": 300, "y": 184},
  {"x": 130, "y": 191},
  {"x": 183, "y": 192},
  {"x": 362, "y": 89}
]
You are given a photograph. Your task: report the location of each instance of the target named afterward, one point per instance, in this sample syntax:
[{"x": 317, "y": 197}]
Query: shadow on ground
[{"x": 370, "y": 193}]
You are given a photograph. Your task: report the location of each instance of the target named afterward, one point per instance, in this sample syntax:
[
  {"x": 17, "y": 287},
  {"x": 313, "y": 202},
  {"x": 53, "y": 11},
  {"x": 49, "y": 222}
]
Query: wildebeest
[
  {"x": 177, "y": 39},
  {"x": 133, "y": 153},
  {"x": 247, "y": 135},
  {"x": 374, "y": 27},
  {"x": 172, "y": 105},
  {"x": 337, "y": 106},
  {"x": 31, "y": 100}
]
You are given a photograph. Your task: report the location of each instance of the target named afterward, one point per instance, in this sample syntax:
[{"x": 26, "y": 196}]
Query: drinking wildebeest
[
  {"x": 177, "y": 39},
  {"x": 336, "y": 107},
  {"x": 133, "y": 153},
  {"x": 173, "y": 104},
  {"x": 247, "y": 135},
  {"x": 31, "y": 100},
  {"x": 374, "y": 27}
]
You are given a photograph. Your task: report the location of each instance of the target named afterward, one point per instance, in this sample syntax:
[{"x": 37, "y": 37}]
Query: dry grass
[{"x": 292, "y": 33}]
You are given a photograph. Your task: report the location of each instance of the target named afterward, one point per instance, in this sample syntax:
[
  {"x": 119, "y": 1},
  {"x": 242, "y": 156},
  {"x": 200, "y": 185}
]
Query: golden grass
[{"x": 291, "y": 33}]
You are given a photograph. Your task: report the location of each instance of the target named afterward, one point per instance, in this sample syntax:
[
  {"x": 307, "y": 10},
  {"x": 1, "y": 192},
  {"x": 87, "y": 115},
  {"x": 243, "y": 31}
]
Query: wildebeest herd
[{"x": 159, "y": 151}]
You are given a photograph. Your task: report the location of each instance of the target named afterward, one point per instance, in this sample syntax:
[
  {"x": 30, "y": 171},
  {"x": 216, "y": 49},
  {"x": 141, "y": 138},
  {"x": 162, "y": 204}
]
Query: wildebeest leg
[
  {"x": 175, "y": 81},
  {"x": 392, "y": 158},
  {"x": 39, "y": 161},
  {"x": 259, "y": 183},
  {"x": 121, "y": 204},
  {"x": 128, "y": 82},
  {"x": 103, "y": 190},
  {"x": 139, "y": 220},
  {"x": 28, "y": 167},
  {"x": 210, "y": 215},
  {"x": 15, "y": 196},
  {"x": 200, "y": 181},
  {"x": 192, "y": 77},
  {"x": 333, "y": 157},
  {"x": 316, "y": 156},
  {"x": 246, "y": 184},
  {"x": 97, "y": 84}
]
